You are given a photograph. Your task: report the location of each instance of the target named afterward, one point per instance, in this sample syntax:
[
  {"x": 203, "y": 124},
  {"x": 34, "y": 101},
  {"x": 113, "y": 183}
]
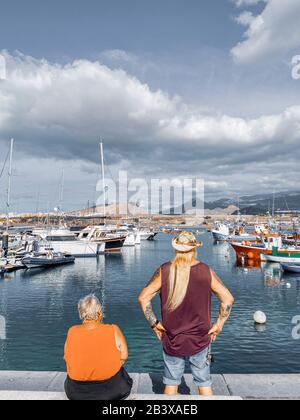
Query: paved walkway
[{"x": 50, "y": 385}]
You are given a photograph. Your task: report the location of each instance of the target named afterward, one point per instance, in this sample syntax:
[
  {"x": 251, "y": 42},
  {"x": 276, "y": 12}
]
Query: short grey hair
[{"x": 90, "y": 308}]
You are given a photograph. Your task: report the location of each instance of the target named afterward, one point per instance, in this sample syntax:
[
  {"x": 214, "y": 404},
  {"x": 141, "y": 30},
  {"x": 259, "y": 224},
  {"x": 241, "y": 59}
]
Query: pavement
[{"x": 50, "y": 386}]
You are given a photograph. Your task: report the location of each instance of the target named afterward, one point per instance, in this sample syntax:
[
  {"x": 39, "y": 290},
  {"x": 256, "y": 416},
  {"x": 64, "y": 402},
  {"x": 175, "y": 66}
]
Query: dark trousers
[{"x": 114, "y": 389}]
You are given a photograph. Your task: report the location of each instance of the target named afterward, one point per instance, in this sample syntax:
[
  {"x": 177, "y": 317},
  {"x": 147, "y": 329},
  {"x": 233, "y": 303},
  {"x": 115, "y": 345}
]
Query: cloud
[
  {"x": 60, "y": 113},
  {"x": 271, "y": 34},
  {"x": 241, "y": 3}
]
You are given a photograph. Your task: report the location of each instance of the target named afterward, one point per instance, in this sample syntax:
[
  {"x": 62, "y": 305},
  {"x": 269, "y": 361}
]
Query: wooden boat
[
  {"x": 249, "y": 251},
  {"x": 291, "y": 268},
  {"x": 253, "y": 251}
]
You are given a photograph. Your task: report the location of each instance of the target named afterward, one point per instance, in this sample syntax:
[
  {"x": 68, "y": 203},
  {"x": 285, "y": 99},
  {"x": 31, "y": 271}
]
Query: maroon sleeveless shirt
[{"x": 188, "y": 325}]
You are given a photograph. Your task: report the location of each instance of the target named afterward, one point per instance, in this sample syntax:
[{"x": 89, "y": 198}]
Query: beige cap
[{"x": 186, "y": 242}]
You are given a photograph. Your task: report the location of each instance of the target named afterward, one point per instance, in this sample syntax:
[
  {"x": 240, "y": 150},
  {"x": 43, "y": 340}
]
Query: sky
[{"x": 173, "y": 88}]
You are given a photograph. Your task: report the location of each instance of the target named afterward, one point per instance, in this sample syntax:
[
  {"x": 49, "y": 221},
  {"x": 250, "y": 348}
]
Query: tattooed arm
[
  {"x": 145, "y": 299},
  {"x": 226, "y": 303}
]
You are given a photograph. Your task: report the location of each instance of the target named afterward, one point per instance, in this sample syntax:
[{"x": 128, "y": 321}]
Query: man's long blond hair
[{"x": 179, "y": 277}]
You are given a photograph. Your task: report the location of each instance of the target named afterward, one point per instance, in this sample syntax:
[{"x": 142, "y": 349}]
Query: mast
[
  {"x": 62, "y": 187},
  {"x": 61, "y": 195},
  {"x": 273, "y": 211},
  {"x": 9, "y": 183},
  {"x": 103, "y": 179}
]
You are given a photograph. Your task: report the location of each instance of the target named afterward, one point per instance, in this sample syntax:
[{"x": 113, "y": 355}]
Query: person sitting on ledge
[
  {"x": 95, "y": 354},
  {"x": 186, "y": 285}
]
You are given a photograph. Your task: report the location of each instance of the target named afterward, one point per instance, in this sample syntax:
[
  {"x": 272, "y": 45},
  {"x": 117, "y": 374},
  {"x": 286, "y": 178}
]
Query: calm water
[{"x": 39, "y": 307}]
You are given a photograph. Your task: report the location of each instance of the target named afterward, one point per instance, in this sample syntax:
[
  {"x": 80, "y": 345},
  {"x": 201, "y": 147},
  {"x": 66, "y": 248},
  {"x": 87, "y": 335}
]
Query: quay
[{"x": 50, "y": 386}]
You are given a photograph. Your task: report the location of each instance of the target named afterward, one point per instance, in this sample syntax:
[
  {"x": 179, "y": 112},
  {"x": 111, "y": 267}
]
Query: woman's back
[
  {"x": 188, "y": 325},
  {"x": 91, "y": 353}
]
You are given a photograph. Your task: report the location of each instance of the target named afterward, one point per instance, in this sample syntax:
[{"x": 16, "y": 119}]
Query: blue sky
[
  {"x": 75, "y": 28},
  {"x": 176, "y": 88}
]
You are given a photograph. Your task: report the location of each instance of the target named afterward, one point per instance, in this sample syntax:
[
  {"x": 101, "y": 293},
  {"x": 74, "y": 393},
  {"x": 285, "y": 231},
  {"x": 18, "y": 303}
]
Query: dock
[{"x": 50, "y": 386}]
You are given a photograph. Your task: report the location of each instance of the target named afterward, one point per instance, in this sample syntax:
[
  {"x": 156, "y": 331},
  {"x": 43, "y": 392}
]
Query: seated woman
[{"x": 95, "y": 354}]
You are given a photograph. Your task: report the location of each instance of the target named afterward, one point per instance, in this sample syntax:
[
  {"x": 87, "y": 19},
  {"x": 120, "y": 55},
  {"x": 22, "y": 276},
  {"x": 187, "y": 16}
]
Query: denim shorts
[{"x": 199, "y": 364}]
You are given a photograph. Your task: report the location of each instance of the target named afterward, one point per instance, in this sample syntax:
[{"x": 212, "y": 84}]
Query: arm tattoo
[
  {"x": 225, "y": 311},
  {"x": 154, "y": 277},
  {"x": 150, "y": 316}
]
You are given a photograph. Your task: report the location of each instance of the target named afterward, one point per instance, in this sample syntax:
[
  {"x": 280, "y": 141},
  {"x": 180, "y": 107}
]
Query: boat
[
  {"x": 221, "y": 232},
  {"x": 62, "y": 240},
  {"x": 104, "y": 235},
  {"x": 147, "y": 234},
  {"x": 47, "y": 260},
  {"x": 291, "y": 268},
  {"x": 253, "y": 251},
  {"x": 282, "y": 257}
]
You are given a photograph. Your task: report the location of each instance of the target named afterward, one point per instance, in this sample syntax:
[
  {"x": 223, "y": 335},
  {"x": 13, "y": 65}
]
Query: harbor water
[{"x": 40, "y": 305}]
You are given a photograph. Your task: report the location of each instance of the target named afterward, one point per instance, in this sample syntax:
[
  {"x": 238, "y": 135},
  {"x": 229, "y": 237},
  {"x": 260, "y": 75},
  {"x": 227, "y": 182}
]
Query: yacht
[
  {"x": 107, "y": 236},
  {"x": 62, "y": 240}
]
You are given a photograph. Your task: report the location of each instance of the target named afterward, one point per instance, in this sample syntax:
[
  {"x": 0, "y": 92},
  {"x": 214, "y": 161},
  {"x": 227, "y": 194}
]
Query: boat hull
[
  {"x": 291, "y": 268},
  {"x": 248, "y": 252},
  {"x": 78, "y": 249},
  {"x": 281, "y": 259},
  {"x": 31, "y": 262},
  {"x": 219, "y": 237}
]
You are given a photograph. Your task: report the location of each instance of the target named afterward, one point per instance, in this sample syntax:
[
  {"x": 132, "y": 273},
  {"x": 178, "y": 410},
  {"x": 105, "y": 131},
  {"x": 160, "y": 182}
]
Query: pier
[{"x": 50, "y": 386}]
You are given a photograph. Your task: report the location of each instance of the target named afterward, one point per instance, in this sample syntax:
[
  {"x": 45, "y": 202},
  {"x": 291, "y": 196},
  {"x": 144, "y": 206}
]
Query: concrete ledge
[
  {"x": 51, "y": 385},
  {"x": 60, "y": 396}
]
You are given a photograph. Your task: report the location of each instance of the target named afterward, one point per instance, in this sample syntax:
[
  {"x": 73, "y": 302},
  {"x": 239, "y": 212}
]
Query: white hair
[{"x": 90, "y": 308}]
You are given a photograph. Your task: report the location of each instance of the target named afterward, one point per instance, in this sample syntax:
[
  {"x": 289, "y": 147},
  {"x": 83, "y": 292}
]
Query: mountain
[
  {"x": 251, "y": 205},
  {"x": 261, "y": 203}
]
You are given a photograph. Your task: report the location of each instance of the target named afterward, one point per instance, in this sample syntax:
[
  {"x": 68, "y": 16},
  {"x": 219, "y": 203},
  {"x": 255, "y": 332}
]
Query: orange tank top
[{"x": 92, "y": 354}]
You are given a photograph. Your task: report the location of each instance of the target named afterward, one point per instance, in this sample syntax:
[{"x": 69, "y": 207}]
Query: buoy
[{"x": 260, "y": 318}]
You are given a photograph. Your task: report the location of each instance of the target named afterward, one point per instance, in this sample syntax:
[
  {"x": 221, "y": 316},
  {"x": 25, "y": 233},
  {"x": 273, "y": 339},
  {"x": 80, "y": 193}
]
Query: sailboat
[{"x": 107, "y": 235}]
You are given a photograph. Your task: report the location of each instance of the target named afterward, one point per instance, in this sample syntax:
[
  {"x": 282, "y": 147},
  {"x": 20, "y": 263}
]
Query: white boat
[
  {"x": 109, "y": 236},
  {"x": 47, "y": 261},
  {"x": 61, "y": 240},
  {"x": 281, "y": 259},
  {"x": 133, "y": 235},
  {"x": 147, "y": 234},
  {"x": 221, "y": 232}
]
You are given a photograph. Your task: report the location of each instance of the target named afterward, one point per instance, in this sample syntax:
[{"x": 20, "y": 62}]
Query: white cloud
[
  {"x": 61, "y": 112},
  {"x": 118, "y": 56},
  {"x": 47, "y": 104},
  {"x": 241, "y": 3},
  {"x": 245, "y": 18},
  {"x": 273, "y": 33}
]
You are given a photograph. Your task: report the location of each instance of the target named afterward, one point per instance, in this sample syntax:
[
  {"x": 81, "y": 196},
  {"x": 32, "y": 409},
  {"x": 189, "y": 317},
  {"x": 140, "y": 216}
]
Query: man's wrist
[{"x": 153, "y": 326}]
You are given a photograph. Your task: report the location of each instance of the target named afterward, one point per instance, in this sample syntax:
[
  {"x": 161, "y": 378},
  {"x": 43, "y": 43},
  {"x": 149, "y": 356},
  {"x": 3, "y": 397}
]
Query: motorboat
[
  {"x": 291, "y": 268},
  {"x": 107, "y": 236},
  {"x": 47, "y": 260},
  {"x": 62, "y": 240}
]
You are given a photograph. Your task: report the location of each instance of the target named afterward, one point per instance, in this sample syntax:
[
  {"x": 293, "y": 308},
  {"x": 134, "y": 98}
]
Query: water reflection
[
  {"x": 260, "y": 328},
  {"x": 40, "y": 306}
]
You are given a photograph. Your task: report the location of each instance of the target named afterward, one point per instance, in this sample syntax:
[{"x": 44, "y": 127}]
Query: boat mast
[
  {"x": 103, "y": 179},
  {"x": 9, "y": 183}
]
